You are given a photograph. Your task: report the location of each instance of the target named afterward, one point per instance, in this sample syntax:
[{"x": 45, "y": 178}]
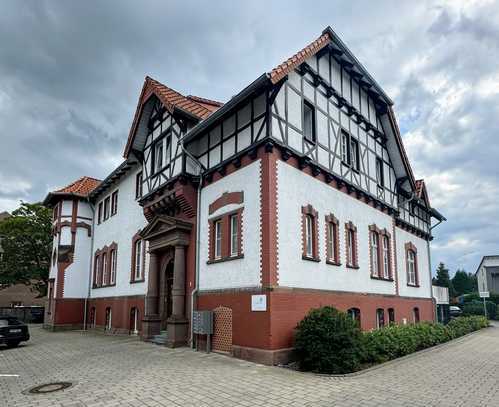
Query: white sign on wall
[
  {"x": 484, "y": 294},
  {"x": 259, "y": 302}
]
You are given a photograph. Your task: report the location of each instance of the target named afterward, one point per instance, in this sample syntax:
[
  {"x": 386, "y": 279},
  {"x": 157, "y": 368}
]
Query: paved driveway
[{"x": 113, "y": 371}]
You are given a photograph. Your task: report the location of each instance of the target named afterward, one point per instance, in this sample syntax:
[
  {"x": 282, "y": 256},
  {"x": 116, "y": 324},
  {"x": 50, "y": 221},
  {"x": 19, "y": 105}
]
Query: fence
[{"x": 31, "y": 315}]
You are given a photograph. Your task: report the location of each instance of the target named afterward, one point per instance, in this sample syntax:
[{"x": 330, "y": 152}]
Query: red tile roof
[
  {"x": 82, "y": 186},
  {"x": 211, "y": 105},
  {"x": 171, "y": 98},
  {"x": 287, "y": 66}
]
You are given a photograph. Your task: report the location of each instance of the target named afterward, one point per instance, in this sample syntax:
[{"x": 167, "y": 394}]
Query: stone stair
[{"x": 160, "y": 339}]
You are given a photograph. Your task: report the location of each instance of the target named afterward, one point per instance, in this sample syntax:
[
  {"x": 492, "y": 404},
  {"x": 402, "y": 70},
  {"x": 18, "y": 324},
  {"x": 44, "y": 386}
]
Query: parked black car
[
  {"x": 455, "y": 311},
  {"x": 12, "y": 331}
]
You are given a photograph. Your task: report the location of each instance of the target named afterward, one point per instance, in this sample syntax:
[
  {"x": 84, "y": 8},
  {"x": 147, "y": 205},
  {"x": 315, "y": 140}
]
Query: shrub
[
  {"x": 463, "y": 325},
  {"x": 328, "y": 341}
]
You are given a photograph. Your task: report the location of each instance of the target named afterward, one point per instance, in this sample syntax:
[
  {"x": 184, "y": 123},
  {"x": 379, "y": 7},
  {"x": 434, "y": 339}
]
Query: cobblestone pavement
[{"x": 122, "y": 371}]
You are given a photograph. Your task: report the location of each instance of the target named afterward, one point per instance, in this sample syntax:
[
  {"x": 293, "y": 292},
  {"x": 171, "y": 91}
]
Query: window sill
[
  {"x": 224, "y": 259},
  {"x": 316, "y": 259},
  {"x": 353, "y": 266},
  {"x": 413, "y": 285},
  {"x": 333, "y": 263},
  {"x": 103, "y": 286},
  {"x": 381, "y": 278},
  {"x": 137, "y": 281}
]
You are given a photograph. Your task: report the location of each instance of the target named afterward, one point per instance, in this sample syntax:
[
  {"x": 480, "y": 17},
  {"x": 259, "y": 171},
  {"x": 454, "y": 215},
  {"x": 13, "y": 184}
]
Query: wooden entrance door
[{"x": 166, "y": 303}]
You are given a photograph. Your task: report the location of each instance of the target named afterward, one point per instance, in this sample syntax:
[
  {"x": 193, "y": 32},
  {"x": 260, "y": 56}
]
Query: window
[
  {"x": 114, "y": 203},
  {"x": 391, "y": 316},
  {"x": 234, "y": 235},
  {"x": 218, "y": 239},
  {"x": 354, "y": 313},
  {"x": 107, "y": 202},
  {"x": 386, "y": 257},
  {"x": 380, "y": 318},
  {"x": 138, "y": 260},
  {"x": 380, "y": 175},
  {"x": 99, "y": 218},
  {"x": 157, "y": 162},
  {"x": 91, "y": 319},
  {"x": 351, "y": 237},
  {"x": 345, "y": 147},
  {"x": 138, "y": 185},
  {"x": 134, "y": 321},
  {"x": 350, "y": 151},
  {"x": 108, "y": 325},
  {"x": 309, "y": 122},
  {"x": 354, "y": 154},
  {"x": 54, "y": 257},
  {"x": 375, "y": 253},
  {"x": 105, "y": 270},
  {"x": 415, "y": 315},
  {"x": 96, "y": 270},
  {"x": 412, "y": 264},
  {"x": 332, "y": 240},
  {"x": 225, "y": 241},
  {"x": 168, "y": 148},
  {"x": 112, "y": 279},
  {"x": 309, "y": 233}
]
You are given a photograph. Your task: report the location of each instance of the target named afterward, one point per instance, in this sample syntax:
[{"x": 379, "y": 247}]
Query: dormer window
[{"x": 309, "y": 122}]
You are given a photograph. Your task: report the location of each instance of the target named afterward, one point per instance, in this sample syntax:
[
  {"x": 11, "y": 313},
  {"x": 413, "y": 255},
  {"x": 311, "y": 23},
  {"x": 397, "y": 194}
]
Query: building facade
[
  {"x": 488, "y": 275},
  {"x": 294, "y": 194}
]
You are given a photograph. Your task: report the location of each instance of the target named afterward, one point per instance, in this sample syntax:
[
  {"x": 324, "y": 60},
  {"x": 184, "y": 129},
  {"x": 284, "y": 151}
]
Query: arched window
[
  {"x": 112, "y": 278},
  {"x": 375, "y": 254},
  {"x": 354, "y": 313},
  {"x": 134, "y": 321},
  {"x": 105, "y": 271},
  {"x": 386, "y": 257},
  {"x": 91, "y": 318},
  {"x": 391, "y": 316},
  {"x": 310, "y": 249},
  {"x": 380, "y": 318},
  {"x": 415, "y": 315},
  {"x": 108, "y": 325},
  {"x": 411, "y": 254}
]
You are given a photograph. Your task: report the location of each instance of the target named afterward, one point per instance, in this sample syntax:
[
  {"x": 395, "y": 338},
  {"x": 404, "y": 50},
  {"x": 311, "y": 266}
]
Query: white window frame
[
  {"x": 375, "y": 254},
  {"x": 234, "y": 237},
  {"x": 97, "y": 270},
  {"x": 158, "y": 156},
  {"x": 411, "y": 267},
  {"x": 331, "y": 243},
  {"x": 217, "y": 250},
  {"x": 138, "y": 260},
  {"x": 380, "y": 176},
  {"x": 104, "y": 268},
  {"x": 350, "y": 248},
  {"x": 109, "y": 322},
  {"x": 386, "y": 257},
  {"x": 114, "y": 259},
  {"x": 378, "y": 319},
  {"x": 345, "y": 148},
  {"x": 309, "y": 231}
]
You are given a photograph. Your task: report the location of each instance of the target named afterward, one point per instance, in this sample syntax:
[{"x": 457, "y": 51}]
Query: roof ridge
[{"x": 205, "y": 100}]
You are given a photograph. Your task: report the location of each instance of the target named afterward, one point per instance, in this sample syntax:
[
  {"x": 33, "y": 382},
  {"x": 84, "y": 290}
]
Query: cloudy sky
[{"x": 71, "y": 73}]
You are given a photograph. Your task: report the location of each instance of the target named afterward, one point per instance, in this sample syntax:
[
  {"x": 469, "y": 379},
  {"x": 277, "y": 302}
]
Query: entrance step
[{"x": 160, "y": 339}]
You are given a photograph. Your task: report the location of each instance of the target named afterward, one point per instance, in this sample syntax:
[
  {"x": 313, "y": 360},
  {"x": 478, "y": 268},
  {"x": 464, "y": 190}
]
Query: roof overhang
[{"x": 119, "y": 172}]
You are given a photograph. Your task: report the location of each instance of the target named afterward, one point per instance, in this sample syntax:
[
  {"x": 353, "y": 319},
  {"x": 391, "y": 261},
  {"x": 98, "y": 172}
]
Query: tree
[
  {"x": 27, "y": 245},
  {"x": 463, "y": 282},
  {"x": 442, "y": 279}
]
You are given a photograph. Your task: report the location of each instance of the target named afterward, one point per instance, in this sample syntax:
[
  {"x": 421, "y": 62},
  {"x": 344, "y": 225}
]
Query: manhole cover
[{"x": 49, "y": 387}]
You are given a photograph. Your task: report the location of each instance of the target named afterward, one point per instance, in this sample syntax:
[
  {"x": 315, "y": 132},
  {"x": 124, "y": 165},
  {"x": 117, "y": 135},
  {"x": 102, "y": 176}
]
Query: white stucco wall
[
  {"x": 237, "y": 273},
  {"x": 296, "y": 189},
  {"x": 120, "y": 229},
  {"x": 76, "y": 275},
  {"x": 424, "y": 290}
]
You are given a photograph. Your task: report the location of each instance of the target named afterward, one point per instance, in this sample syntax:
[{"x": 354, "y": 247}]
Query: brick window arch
[
  {"x": 310, "y": 233},
  {"x": 354, "y": 313},
  {"x": 332, "y": 240},
  {"x": 351, "y": 245},
  {"x": 411, "y": 259}
]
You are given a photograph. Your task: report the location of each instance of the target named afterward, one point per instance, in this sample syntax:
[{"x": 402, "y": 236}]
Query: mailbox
[{"x": 202, "y": 322}]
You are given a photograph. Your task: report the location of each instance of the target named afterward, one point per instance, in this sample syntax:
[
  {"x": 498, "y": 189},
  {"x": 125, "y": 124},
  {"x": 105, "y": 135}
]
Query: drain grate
[{"x": 49, "y": 387}]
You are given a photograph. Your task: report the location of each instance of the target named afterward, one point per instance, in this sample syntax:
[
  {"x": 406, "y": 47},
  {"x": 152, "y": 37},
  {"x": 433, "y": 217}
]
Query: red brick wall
[
  {"x": 121, "y": 308},
  {"x": 68, "y": 311},
  {"x": 286, "y": 307}
]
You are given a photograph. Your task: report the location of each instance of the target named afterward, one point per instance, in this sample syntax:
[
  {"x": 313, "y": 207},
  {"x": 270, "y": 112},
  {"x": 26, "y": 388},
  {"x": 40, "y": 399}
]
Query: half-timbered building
[{"x": 296, "y": 193}]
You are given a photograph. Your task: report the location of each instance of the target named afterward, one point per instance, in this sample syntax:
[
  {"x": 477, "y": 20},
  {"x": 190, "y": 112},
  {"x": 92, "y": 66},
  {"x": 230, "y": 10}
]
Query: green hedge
[
  {"x": 476, "y": 308},
  {"x": 329, "y": 341}
]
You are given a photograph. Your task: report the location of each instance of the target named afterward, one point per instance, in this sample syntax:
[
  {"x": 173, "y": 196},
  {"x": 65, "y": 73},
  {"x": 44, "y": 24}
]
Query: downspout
[
  {"x": 90, "y": 265},
  {"x": 198, "y": 229}
]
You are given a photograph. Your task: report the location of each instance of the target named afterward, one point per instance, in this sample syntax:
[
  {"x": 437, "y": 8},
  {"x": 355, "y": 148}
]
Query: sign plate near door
[{"x": 259, "y": 302}]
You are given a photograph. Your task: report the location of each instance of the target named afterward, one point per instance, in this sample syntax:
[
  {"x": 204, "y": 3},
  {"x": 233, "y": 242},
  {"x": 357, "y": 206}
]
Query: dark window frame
[
  {"x": 114, "y": 203},
  {"x": 312, "y": 137}
]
